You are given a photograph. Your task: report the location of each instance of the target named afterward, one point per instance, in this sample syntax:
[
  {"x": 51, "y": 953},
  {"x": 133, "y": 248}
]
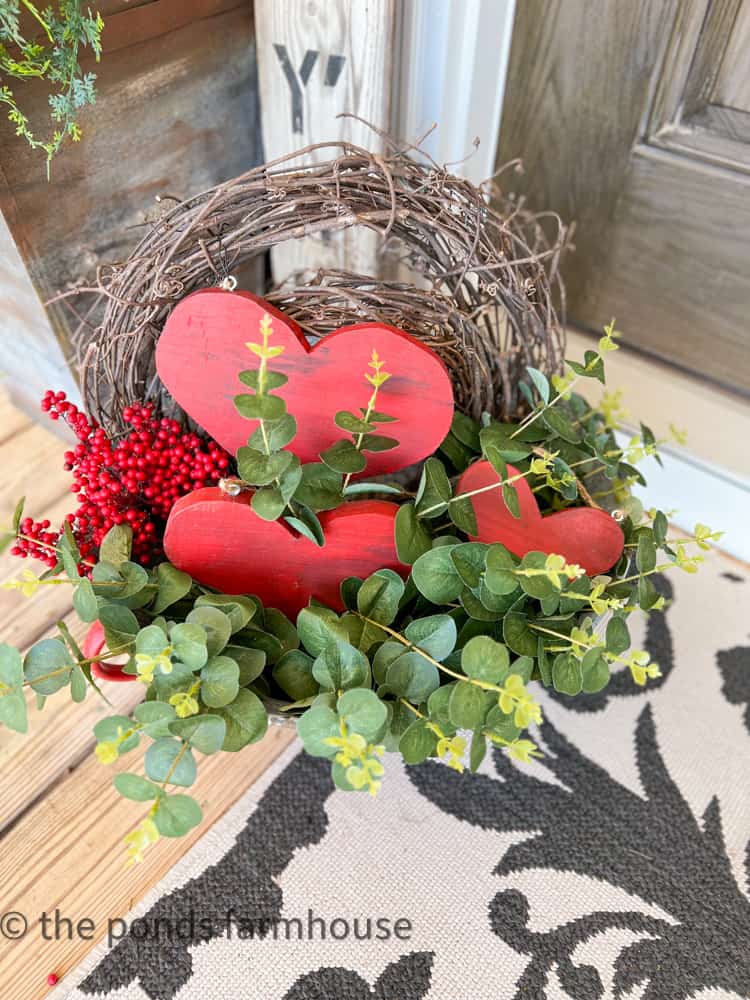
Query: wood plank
[
  {"x": 68, "y": 848},
  {"x": 32, "y": 466},
  {"x": 59, "y": 738},
  {"x": 317, "y": 61},
  {"x": 12, "y": 420}
]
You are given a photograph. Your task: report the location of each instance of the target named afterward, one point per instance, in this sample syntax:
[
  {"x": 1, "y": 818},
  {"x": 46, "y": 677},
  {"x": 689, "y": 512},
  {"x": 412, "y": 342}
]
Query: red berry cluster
[{"x": 134, "y": 480}]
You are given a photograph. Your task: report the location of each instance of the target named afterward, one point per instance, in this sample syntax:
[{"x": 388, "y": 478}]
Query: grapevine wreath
[{"x": 377, "y": 509}]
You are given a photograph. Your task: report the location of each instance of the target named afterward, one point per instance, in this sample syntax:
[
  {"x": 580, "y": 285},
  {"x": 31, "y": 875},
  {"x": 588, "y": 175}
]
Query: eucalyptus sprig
[
  {"x": 440, "y": 661},
  {"x": 348, "y": 457}
]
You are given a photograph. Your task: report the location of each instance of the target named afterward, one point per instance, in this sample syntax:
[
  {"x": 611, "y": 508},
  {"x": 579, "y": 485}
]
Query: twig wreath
[
  {"x": 268, "y": 562},
  {"x": 490, "y": 276}
]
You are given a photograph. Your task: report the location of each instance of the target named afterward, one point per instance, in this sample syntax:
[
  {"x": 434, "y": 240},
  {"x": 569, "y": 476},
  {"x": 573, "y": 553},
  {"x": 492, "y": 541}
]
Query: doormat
[{"x": 616, "y": 866}]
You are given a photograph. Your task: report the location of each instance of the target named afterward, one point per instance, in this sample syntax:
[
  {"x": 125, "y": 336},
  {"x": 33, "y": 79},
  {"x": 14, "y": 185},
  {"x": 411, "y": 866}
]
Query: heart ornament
[
  {"x": 219, "y": 540},
  {"x": 202, "y": 349},
  {"x": 584, "y": 535}
]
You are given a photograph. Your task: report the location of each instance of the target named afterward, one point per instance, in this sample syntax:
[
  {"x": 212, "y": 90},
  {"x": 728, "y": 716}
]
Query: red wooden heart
[
  {"x": 222, "y": 543},
  {"x": 202, "y": 349},
  {"x": 93, "y": 643},
  {"x": 583, "y": 535}
]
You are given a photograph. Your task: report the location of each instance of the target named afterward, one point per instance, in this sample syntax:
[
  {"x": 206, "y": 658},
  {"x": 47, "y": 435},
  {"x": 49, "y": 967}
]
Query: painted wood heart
[
  {"x": 220, "y": 541},
  {"x": 202, "y": 349},
  {"x": 583, "y": 535}
]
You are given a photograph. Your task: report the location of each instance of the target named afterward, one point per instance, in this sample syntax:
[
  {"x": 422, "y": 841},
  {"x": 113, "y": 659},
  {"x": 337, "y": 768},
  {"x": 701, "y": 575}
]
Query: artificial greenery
[
  {"x": 52, "y": 55},
  {"x": 440, "y": 664}
]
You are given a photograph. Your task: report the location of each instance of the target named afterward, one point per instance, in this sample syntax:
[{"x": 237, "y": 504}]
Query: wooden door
[{"x": 633, "y": 118}]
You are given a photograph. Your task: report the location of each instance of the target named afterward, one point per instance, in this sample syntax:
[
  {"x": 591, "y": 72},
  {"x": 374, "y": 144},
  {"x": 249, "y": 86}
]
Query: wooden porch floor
[{"x": 61, "y": 821}]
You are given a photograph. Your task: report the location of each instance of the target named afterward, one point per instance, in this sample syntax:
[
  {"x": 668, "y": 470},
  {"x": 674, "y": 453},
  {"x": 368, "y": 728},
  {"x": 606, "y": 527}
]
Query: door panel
[{"x": 637, "y": 124}]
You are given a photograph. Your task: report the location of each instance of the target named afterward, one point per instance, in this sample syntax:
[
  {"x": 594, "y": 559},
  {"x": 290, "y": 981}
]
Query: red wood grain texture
[
  {"x": 583, "y": 535},
  {"x": 92, "y": 645},
  {"x": 222, "y": 543},
  {"x": 202, "y": 349}
]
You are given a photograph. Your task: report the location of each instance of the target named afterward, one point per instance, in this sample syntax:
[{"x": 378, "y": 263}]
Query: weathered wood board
[
  {"x": 177, "y": 112},
  {"x": 318, "y": 60}
]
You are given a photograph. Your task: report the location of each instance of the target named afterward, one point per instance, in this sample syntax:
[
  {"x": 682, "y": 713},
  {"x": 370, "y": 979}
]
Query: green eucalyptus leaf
[
  {"x": 205, "y": 733},
  {"x": 567, "y": 677},
  {"x": 413, "y": 677},
  {"x": 259, "y": 469},
  {"x": 510, "y": 499},
  {"x": 437, "y": 708},
  {"x": 387, "y": 652},
  {"x": 216, "y": 624},
  {"x": 540, "y": 383},
  {"x": 177, "y": 815},
  {"x": 417, "y": 743},
  {"x": 220, "y": 682},
  {"x": 351, "y": 423},
  {"x": 536, "y": 586},
  {"x": 462, "y": 514},
  {"x": 647, "y": 593},
  {"x": 293, "y": 674},
  {"x": 189, "y": 644},
  {"x": 84, "y": 601},
  {"x": 273, "y": 380},
  {"x": 436, "y": 635},
  {"x": 436, "y": 577},
  {"x": 268, "y": 503},
  {"x": 477, "y": 751},
  {"x": 13, "y": 711},
  {"x": 136, "y": 787},
  {"x": 307, "y": 524},
  {"x": 239, "y": 608},
  {"x": 617, "y": 636},
  {"x": 499, "y": 447},
  {"x": 317, "y": 725},
  {"x": 250, "y": 662},
  {"x": 318, "y": 627},
  {"x": 255, "y": 407},
  {"x": 349, "y": 588},
  {"x": 434, "y": 490},
  {"x": 378, "y": 442},
  {"x": 340, "y": 666},
  {"x": 47, "y": 666},
  {"x": 500, "y": 576},
  {"x": 167, "y": 758},
  {"x": 154, "y": 717},
  {"x": 595, "y": 671},
  {"x": 120, "y": 626},
  {"x": 116, "y": 545},
  {"x": 645, "y": 555},
  {"x": 412, "y": 537},
  {"x": 379, "y": 596},
  {"x": 467, "y": 707},
  {"x": 559, "y": 424},
  {"x": 246, "y": 720},
  {"x": 278, "y": 434},
  {"x": 517, "y": 634},
  {"x": 485, "y": 660},
  {"x": 319, "y": 488},
  {"x": 78, "y": 685},
  {"x": 11, "y": 666},
  {"x": 344, "y": 457},
  {"x": 172, "y": 584},
  {"x": 469, "y": 560},
  {"x": 363, "y": 712}
]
